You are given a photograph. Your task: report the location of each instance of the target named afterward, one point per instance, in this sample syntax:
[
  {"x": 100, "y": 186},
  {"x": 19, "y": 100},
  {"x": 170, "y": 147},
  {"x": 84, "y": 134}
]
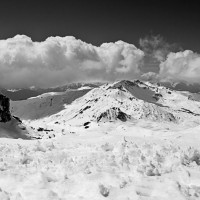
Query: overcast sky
[{"x": 111, "y": 40}]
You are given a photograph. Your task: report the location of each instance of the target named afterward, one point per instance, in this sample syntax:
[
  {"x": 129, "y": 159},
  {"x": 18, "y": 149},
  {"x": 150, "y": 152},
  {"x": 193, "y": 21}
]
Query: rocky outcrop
[
  {"x": 5, "y": 115},
  {"x": 10, "y": 126},
  {"x": 113, "y": 114}
]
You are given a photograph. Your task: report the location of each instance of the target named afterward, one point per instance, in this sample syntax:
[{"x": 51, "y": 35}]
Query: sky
[{"x": 160, "y": 40}]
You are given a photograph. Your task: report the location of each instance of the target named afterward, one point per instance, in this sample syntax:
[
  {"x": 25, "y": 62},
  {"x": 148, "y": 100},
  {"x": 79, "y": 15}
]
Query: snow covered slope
[
  {"x": 125, "y": 101},
  {"x": 44, "y": 105},
  {"x": 127, "y": 140},
  {"x": 123, "y": 163},
  {"x": 122, "y": 100}
]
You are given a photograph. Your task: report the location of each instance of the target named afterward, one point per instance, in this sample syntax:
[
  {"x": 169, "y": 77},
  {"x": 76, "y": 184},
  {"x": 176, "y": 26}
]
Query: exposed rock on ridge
[{"x": 5, "y": 115}]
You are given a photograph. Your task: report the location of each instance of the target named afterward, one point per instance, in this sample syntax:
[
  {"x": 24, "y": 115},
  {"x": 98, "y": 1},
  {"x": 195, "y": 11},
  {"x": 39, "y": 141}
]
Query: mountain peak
[
  {"x": 121, "y": 101},
  {"x": 138, "y": 89},
  {"x": 128, "y": 83}
]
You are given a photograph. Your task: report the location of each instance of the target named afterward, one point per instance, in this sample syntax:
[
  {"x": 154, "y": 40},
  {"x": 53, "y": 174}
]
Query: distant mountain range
[
  {"x": 25, "y": 93},
  {"x": 180, "y": 86}
]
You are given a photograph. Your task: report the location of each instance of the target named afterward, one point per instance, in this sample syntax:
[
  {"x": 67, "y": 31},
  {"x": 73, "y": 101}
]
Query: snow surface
[
  {"x": 44, "y": 105},
  {"x": 47, "y": 94},
  {"x": 146, "y": 157},
  {"x": 84, "y": 88},
  {"x": 13, "y": 129},
  {"x": 108, "y": 162}
]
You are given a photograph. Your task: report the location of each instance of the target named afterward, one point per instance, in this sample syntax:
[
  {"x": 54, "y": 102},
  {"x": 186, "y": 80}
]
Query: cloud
[
  {"x": 156, "y": 47},
  {"x": 181, "y": 66},
  {"x": 58, "y": 60},
  {"x": 169, "y": 61}
]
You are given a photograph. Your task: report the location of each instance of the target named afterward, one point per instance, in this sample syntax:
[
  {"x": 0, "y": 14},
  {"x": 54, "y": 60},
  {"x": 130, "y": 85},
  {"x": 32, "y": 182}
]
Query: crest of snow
[
  {"x": 85, "y": 88},
  {"x": 13, "y": 90},
  {"x": 47, "y": 94}
]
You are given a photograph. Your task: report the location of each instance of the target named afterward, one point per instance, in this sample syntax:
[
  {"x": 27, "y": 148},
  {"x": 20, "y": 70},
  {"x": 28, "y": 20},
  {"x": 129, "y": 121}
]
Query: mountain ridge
[{"x": 121, "y": 102}]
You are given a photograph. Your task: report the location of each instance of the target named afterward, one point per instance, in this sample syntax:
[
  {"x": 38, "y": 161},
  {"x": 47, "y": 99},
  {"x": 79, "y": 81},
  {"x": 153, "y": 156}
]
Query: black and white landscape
[{"x": 113, "y": 115}]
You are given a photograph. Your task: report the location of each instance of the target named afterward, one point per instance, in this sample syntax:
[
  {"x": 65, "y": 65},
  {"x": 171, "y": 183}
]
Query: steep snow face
[
  {"x": 177, "y": 101},
  {"x": 138, "y": 89}
]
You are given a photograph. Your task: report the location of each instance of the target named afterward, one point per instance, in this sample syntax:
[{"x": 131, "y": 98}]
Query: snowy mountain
[{"x": 121, "y": 101}]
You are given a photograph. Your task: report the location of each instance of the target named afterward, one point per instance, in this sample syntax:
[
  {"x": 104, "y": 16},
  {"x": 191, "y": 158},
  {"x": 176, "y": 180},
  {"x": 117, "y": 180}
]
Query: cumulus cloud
[
  {"x": 58, "y": 60},
  {"x": 156, "y": 47},
  {"x": 173, "y": 64},
  {"x": 181, "y": 66}
]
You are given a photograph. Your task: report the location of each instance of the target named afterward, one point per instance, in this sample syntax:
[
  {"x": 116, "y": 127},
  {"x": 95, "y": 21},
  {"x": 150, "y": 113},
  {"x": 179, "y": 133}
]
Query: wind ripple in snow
[{"x": 124, "y": 170}]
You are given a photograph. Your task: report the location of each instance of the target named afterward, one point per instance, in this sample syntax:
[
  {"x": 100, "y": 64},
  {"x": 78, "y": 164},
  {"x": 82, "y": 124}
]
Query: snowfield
[
  {"x": 122, "y": 164},
  {"x": 121, "y": 141}
]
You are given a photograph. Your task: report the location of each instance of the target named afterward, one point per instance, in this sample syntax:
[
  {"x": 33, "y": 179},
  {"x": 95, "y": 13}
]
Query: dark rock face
[
  {"x": 5, "y": 115},
  {"x": 113, "y": 114},
  {"x": 10, "y": 126},
  {"x": 122, "y": 116}
]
